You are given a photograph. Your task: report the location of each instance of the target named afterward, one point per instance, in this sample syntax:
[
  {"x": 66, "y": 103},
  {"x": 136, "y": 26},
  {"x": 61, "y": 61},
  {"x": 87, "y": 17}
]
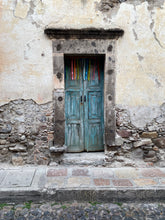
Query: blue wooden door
[{"x": 84, "y": 80}]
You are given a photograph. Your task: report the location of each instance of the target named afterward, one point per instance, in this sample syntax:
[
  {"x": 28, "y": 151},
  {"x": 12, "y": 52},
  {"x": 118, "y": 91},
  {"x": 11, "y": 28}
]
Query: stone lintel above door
[{"x": 86, "y": 33}]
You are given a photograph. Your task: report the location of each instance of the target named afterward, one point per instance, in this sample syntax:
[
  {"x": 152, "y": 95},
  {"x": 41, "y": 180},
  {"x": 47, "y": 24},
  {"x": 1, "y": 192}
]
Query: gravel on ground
[{"x": 82, "y": 211}]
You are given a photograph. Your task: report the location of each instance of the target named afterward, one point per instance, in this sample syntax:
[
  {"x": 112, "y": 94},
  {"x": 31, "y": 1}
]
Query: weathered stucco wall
[
  {"x": 141, "y": 55},
  {"x": 26, "y": 54},
  {"x": 26, "y": 63}
]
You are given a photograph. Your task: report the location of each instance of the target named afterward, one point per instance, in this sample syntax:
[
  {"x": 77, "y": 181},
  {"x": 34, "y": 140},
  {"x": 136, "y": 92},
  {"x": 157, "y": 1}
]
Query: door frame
[{"x": 89, "y": 42}]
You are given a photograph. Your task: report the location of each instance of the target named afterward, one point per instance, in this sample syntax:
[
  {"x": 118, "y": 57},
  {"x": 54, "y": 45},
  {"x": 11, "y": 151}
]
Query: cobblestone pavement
[{"x": 82, "y": 211}]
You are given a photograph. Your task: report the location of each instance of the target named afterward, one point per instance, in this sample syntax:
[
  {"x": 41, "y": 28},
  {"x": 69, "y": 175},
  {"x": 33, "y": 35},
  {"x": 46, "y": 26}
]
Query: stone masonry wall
[
  {"x": 140, "y": 137},
  {"x": 26, "y": 132}
]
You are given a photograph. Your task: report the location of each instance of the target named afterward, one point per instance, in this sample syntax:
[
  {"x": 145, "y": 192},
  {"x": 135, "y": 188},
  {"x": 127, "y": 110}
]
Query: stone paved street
[
  {"x": 103, "y": 193},
  {"x": 82, "y": 211}
]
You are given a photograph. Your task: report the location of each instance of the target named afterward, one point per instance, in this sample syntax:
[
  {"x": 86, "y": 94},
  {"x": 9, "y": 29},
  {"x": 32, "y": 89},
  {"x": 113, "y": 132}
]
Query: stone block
[
  {"x": 151, "y": 159},
  {"x": 159, "y": 142},
  {"x": 110, "y": 138},
  {"x": 101, "y": 182},
  {"x": 19, "y": 178},
  {"x": 2, "y": 175},
  {"x": 17, "y": 160},
  {"x": 20, "y": 119},
  {"x": 126, "y": 173},
  {"x": 143, "y": 142},
  {"x": 80, "y": 172},
  {"x": 3, "y": 147},
  {"x": 59, "y": 133},
  {"x": 151, "y": 135},
  {"x": 4, "y": 136},
  {"x": 30, "y": 144},
  {"x": 160, "y": 119},
  {"x": 4, "y": 151},
  {"x": 58, "y": 149},
  {"x": 2, "y": 142},
  {"x": 57, "y": 172},
  {"x": 55, "y": 181},
  {"x": 23, "y": 137},
  {"x": 145, "y": 182},
  {"x": 162, "y": 181},
  {"x": 78, "y": 181},
  {"x": 58, "y": 66},
  {"x": 50, "y": 136},
  {"x": 18, "y": 148},
  {"x": 59, "y": 98},
  {"x": 5, "y": 129},
  {"x": 102, "y": 173},
  {"x": 122, "y": 183},
  {"x": 150, "y": 154},
  {"x": 147, "y": 148},
  {"x": 78, "y": 46},
  {"x": 21, "y": 128},
  {"x": 156, "y": 148},
  {"x": 118, "y": 140},
  {"x": 152, "y": 172},
  {"x": 124, "y": 133},
  {"x": 137, "y": 153},
  {"x": 152, "y": 128}
]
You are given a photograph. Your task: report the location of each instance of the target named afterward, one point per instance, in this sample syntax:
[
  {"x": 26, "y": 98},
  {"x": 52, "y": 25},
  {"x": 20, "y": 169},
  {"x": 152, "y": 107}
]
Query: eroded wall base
[
  {"x": 26, "y": 132},
  {"x": 140, "y": 137}
]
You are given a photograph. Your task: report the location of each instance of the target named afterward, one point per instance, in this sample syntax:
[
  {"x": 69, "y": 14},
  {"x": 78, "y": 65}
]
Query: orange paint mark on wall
[
  {"x": 7, "y": 58},
  {"x": 39, "y": 99},
  {"x": 31, "y": 71}
]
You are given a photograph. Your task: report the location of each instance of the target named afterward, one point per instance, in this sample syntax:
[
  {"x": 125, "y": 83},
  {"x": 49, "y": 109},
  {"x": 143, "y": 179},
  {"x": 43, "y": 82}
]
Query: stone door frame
[{"x": 86, "y": 42}]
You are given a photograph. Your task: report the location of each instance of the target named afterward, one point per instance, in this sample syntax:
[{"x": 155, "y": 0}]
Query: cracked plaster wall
[
  {"x": 26, "y": 68},
  {"x": 26, "y": 54}
]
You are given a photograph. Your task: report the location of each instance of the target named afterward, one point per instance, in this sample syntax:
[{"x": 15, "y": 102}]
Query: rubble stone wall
[
  {"x": 26, "y": 132},
  {"x": 140, "y": 137}
]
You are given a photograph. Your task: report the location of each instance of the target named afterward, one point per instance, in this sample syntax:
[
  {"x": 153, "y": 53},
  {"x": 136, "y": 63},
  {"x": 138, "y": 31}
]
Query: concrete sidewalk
[{"x": 69, "y": 183}]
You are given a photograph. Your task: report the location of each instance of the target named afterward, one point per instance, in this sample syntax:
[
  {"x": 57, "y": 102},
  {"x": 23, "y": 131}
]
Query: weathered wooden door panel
[
  {"x": 84, "y": 104},
  {"x": 94, "y": 101},
  {"x": 74, "y": 123},
  {"x": 74, "y": 137},
  {"x": 94, "y": 121},
  {"x": 73, "y": 105},
  {"x": 94, "y": 140}
]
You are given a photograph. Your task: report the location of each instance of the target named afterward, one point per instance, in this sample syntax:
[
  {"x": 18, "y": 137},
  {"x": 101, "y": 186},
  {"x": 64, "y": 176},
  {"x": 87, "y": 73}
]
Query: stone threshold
[{"x": 84, "y": 158}]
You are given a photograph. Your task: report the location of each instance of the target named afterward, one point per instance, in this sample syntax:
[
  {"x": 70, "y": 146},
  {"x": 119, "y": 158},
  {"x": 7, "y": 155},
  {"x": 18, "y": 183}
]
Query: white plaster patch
[
  {"x": 142, "y": 115},
  {"x": 21, "y": 9}
]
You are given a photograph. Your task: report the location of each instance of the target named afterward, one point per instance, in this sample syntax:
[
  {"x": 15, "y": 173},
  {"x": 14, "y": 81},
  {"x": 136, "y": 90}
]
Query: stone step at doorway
[{"x": 84, "y": 159}]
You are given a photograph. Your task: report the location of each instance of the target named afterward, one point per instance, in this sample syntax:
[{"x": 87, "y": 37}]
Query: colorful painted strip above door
[{"x": 89, "y": 68}]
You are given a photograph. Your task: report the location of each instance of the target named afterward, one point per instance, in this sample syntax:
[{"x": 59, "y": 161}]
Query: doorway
[{"x": 84, "y": 102}]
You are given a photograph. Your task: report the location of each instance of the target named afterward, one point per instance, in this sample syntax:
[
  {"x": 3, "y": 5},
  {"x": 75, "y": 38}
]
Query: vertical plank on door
[{"x": 94, "y": 108}]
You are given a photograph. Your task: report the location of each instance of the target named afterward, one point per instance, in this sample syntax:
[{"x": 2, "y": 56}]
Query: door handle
[
  {"x": 81, "y": 99},
  {"x": 85, "y": 98}
]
